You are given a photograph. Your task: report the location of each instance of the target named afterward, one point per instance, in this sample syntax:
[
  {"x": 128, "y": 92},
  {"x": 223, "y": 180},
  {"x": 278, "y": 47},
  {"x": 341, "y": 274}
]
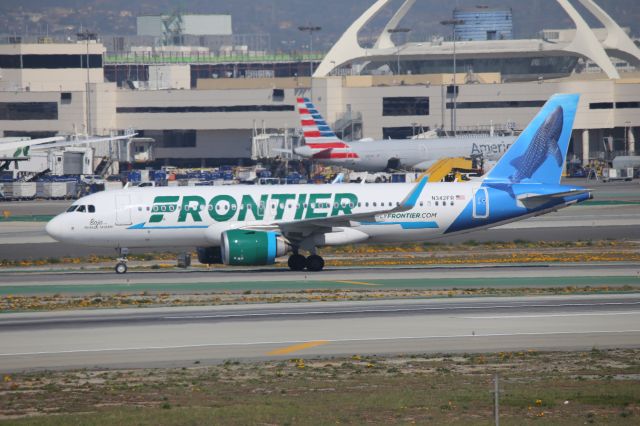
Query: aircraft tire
[
  {"x": 121, "y": 268},
  {"x": 297, "y": 262},
  {"x": 315, "y": 263}
]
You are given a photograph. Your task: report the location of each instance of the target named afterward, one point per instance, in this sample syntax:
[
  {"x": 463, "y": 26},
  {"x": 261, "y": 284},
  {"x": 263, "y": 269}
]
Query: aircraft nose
[{"x": 55, "y": 228}]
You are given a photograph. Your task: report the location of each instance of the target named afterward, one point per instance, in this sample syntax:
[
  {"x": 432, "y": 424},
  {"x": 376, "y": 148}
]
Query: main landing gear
[
  {"x": 121, "y": 266},
  {"x": 298, "y": 262}
]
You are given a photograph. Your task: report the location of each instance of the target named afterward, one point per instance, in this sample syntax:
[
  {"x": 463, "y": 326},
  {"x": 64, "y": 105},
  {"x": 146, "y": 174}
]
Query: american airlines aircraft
[
  {"x": 322, "y": 144},
  {"x": 253, "y": 225}
]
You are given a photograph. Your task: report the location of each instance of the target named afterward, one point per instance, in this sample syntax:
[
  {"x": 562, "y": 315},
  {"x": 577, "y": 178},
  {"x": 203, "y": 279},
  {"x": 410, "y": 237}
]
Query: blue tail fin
[{"x": 538, "y": 155}]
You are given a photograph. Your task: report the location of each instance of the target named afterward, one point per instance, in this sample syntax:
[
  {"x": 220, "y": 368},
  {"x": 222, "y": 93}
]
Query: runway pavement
[{"x": 182, "y": 336}]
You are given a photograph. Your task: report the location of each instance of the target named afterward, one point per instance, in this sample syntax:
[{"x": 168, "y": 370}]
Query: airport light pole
[
  {"x": 310, "y": 29},
  {"x": 453, "y": 23},
  {"x": 398, "y": 31}
]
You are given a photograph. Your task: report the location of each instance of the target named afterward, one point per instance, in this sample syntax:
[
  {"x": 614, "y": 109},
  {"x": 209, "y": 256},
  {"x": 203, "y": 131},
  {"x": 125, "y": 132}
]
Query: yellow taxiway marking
[
  {"x": 296, "y": 348},
  {"x": 358, "y": 283}
]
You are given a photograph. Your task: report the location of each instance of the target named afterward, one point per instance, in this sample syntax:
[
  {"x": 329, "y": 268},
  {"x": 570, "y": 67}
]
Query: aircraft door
[
  {"x": 123, "y": 210},
  {"x": 480, "y": 203}
]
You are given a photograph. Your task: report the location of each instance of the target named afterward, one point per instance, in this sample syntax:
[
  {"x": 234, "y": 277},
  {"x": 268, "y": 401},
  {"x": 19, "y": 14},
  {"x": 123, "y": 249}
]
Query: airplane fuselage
[
  {"x": 378, "y": 155},
  {"x": 197, "y": 216}
]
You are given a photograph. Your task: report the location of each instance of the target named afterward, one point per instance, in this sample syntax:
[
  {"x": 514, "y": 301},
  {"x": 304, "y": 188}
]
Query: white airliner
[
  {"x": 322, "y": 144},
  {"x": 253, "y": 225},
  {"x": 15, "y": 151}
]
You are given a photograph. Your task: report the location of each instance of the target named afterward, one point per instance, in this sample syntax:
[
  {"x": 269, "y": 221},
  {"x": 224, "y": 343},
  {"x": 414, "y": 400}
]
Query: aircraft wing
[
  {"x": 424, "y": 165},
  {"x": 311, "y": 225},
  {"x": 14, "y": 146}
]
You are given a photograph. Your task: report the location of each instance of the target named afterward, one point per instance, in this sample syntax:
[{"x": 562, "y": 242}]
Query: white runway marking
[
  {"x": 290, "y": 342},
  {"x": 553, "y": 315}
]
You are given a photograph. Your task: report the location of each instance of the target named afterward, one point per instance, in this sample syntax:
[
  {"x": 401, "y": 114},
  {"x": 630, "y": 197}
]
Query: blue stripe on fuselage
[
  {"x": 405, "y": 225},
  {"x": 142, "y": 226}
]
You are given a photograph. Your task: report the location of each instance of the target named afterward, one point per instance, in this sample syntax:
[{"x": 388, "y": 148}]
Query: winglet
[{"x": 410, "y": 200}]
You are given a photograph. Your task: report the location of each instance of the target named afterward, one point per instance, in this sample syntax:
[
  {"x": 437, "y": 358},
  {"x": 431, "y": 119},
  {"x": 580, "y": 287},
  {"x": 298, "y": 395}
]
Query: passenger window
[
  {"x": 375, "y": 204},
  {"x": 92, "y": 209},
  {"x": 71, "y": 209},
  {"x": 451, "y": 203},
  {"x": 421, "y": 204},
  {"x": 81, "y": 209},
  {"x": 436, "y": 203}
]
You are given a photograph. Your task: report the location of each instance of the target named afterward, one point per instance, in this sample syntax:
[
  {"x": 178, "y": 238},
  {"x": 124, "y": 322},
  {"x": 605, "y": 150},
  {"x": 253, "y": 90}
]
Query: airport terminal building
[{"x": 207, "y": 118}]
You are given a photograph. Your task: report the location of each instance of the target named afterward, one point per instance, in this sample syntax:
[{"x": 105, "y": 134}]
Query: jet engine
[{"x": 242, "y": 247}]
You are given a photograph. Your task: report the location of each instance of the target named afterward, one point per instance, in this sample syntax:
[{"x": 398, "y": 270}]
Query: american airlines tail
[
  {"x": 320, "y": 140},
  {"x": 538, "y": 155}
]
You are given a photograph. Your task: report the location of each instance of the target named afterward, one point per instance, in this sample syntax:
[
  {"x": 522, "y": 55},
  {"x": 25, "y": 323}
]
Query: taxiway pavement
[{"x": 279, "y": 279}]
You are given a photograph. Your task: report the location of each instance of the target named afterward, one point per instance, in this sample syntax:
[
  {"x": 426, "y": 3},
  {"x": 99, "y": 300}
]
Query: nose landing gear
[{"x": 121, "y": 266}]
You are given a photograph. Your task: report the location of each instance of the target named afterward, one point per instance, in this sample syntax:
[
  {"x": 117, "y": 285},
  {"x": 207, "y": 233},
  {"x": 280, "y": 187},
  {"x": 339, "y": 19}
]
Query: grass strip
[{"x": 558, "y": 388}]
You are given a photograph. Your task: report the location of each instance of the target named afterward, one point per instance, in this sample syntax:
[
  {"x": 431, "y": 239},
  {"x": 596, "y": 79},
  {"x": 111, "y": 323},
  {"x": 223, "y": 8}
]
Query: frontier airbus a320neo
[{"x": 253, "y": 225}]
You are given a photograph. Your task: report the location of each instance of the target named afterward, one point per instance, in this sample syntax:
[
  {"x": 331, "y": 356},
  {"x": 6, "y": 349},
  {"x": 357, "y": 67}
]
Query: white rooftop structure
[{"x": 554, "y": 58}]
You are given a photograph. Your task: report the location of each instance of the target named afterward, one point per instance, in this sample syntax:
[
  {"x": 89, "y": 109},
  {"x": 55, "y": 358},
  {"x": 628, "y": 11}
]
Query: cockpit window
[
  {"x": 81, "y": 209},
  {"x": 92, "y": 208},
  {"x": 71, "y": 209}
]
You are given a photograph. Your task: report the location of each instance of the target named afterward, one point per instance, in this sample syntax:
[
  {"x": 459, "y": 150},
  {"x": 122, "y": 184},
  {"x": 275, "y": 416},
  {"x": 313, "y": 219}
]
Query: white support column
[
  {"x": 347, "y": 47},
  {"x": 617, "y": 40},
  {"x": 384, "y": 40},
  {"x": 586, "y": 43},
  {"x": 585, "y": 147}
]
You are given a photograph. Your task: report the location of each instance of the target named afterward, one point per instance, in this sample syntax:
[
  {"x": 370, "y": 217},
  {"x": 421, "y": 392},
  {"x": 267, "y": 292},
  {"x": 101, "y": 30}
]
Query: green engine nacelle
[{"x": 252, "y": 248}]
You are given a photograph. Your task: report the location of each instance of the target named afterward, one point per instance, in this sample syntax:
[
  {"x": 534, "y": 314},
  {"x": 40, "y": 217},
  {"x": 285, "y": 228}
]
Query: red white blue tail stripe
[{"x": 318, "y": 135}]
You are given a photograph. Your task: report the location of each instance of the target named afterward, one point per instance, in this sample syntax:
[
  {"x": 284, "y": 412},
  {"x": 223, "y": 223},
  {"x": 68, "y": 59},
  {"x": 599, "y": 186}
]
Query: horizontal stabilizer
[
  {"x": 535, "y": 200},
  {"x": 325, "y": 153}
]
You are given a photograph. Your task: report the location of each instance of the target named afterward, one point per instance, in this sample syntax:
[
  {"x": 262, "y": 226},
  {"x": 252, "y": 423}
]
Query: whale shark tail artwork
[{"x": 538, "y": 155}]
